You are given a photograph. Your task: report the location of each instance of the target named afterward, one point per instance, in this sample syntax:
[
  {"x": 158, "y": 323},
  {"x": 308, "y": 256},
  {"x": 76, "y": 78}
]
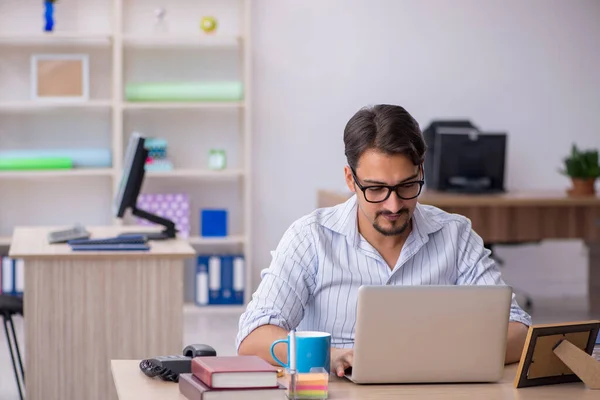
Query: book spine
[
  {"x": 19, "y": 266},
  {"x": 214, "y": 279},
  {"x": 202, "y": 373},
  {"x": 188, "y": 390},
  {"x": 7, "y": 275},
  {"x": 202, "y": 281},
  {"x": 227, "y": 280},
  {"x": 238, "y": 279}
]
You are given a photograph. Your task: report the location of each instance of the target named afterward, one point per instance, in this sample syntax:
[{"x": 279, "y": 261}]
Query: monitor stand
[{"x": 168, "y": 233}]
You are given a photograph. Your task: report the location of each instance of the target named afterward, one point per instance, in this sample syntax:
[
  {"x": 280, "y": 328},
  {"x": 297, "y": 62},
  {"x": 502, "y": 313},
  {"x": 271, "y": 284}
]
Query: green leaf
[{"x": 582, "y": 164}]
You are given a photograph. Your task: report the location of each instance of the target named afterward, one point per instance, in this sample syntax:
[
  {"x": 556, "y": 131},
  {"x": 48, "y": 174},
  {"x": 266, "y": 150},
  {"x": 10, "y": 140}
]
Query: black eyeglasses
[{"x": 380, "y": 193}]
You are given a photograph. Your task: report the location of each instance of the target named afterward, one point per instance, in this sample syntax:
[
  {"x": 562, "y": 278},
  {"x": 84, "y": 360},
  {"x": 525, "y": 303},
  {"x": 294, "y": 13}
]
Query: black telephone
[{"x": 168, "y": 368}]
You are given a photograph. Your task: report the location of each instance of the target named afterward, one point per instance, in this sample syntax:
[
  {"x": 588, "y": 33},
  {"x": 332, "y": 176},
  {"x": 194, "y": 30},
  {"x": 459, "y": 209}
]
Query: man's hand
[
  {"x": 515, "y": 341},
  {"x": 341, "y": 359}
]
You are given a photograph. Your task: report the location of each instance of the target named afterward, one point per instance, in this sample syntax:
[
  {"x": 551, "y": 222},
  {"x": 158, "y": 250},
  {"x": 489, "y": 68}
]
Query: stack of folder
[
  {"x": 220, "y": 279},
  {"x": 231, "y": 377},
  {"x": 12, "y": 276}
]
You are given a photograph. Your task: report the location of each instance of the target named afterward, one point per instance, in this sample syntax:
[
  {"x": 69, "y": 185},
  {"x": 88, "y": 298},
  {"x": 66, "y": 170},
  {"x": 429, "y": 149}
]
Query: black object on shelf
[{"x": 134, "y": 168}]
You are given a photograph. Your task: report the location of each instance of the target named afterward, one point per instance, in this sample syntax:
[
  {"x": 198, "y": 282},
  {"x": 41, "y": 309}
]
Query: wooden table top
[
  {"x": 32, "y": 242},
  {"x": 132, "y": 384}
]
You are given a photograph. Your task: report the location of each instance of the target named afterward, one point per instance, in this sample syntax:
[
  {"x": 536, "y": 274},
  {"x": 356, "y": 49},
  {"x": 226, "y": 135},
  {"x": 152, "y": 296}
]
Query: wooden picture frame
[
  {"x": 60, "y": 77},
  {"x": 559, "y": 353}
]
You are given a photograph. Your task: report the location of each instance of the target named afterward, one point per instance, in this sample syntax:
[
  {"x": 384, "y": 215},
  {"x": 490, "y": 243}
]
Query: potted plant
[{"x": 583, "y": 169}]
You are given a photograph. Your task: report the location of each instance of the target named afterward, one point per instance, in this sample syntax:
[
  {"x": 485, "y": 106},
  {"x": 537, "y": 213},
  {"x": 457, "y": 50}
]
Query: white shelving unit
[{"x": 125, "y": 44}]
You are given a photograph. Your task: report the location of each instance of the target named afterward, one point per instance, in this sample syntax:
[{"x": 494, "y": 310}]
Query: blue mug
[{"x": 313, "y": 350}]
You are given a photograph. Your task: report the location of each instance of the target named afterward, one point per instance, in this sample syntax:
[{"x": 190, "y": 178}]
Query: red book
[
  {"x": 226, "y": 372},
  {"x": 193, "y": 389}
]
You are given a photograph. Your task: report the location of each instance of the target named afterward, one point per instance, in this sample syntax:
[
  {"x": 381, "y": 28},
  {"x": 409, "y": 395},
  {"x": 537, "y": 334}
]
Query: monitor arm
[{"x": 168, "y": 233}]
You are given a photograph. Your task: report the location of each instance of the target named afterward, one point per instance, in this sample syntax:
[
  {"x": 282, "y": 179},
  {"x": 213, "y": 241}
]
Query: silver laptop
[{"x": 432, "y": 334}]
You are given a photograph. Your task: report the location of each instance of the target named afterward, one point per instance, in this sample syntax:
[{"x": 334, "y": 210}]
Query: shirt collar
[
  {"x": 425, "y": 224},
  {"x": 344, "y": 221}
]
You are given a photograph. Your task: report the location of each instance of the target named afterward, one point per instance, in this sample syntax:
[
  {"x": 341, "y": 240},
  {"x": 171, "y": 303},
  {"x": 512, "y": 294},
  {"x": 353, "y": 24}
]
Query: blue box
[{"x": 213, "y": 222}]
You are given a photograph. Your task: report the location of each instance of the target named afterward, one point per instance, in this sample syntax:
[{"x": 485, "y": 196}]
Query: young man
[{"x": 380, "y": 236}]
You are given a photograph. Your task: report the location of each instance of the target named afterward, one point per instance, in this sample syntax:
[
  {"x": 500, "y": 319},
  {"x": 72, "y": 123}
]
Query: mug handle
[{"x": 273, "y": 353}]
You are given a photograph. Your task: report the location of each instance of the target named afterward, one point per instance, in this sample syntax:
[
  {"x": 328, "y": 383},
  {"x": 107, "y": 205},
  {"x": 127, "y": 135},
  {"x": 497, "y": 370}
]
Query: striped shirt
[{"x": 322, "y": 260}]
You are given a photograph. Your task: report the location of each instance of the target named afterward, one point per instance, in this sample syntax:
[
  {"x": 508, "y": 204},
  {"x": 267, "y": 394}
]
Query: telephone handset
[{"x": 168, "y": 368}]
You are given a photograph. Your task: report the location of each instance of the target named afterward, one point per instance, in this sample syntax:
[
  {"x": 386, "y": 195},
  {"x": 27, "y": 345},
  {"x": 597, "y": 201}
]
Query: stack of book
[{"x": 231, "y": 377}]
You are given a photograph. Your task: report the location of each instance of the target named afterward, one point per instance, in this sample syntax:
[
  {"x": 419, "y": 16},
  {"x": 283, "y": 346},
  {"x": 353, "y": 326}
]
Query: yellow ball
[{"x": 208, "y": 24}]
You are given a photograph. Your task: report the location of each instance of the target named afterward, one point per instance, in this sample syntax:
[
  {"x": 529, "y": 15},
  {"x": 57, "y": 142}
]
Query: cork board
[
  {"x": 539, "y": 365},
  {"x": 60, "y": 77}
]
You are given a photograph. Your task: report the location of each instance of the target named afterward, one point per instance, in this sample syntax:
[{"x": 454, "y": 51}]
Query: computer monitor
[
  {"x": 469, "y": 163},
  {"x": 130, "y": 186}
]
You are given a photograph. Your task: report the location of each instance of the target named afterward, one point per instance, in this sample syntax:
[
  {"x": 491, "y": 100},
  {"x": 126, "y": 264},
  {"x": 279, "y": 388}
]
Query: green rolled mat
[
  {"x": 20, "y": 163},
  {"x": 184, "y": 91},
  {"x": 81, "y": 157}
]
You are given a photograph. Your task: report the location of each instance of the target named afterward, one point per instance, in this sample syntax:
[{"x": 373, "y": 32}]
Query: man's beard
[{"x": 395, "y": 229}]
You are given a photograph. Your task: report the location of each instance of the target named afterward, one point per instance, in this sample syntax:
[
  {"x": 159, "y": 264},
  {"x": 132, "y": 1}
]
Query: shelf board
[
  {"x": 199, "y": 240},
  {"x": 197, "y": 174},
  {"x": 199, "y": 40},
  {"x": 54, "y": 38},
  {"x": 62, "y": 173},
  {"x": 46, "y": 105},
  {"x": 181, "y": 105}
]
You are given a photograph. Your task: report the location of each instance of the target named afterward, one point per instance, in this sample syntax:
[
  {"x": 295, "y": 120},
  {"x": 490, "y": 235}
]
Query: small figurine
[
  {"x": 49, "y": 15},
  {"x": 160, "y": 14},
  {"x": 208, "y": 24},
  {"x": 160, "y": 25}
]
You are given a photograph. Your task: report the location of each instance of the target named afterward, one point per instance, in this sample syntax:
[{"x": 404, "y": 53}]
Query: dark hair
[{"x": 387, "y": 128}]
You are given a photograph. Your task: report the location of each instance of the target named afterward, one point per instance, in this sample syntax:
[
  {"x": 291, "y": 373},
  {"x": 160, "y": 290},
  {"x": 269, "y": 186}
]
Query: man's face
[{"x": 376, "y": 170}]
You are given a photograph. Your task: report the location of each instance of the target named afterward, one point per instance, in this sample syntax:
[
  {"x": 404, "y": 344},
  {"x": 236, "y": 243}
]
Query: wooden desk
[
  {"x": 132, "y": 384},
  {"x": 521, "y": 217},
  {"x": 83, "y": 309}
]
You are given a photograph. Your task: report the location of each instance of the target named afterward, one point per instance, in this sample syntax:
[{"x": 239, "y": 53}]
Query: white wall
[{"x": 531, "y": 68}]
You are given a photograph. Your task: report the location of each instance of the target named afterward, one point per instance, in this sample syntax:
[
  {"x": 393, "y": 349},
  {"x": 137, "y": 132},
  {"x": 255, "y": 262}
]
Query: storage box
[
  {"x": 213, "y": 222},
  {"x": 173, "y": 206}
]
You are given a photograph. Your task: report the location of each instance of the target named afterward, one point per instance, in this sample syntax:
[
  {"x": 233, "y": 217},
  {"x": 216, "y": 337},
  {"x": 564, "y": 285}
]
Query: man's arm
[
  {"x": 278, "y": 304},
  {"x": 259, "y": 341},
  {"x": 515, "y": 341},
  {"x": 476, "y": 267}
]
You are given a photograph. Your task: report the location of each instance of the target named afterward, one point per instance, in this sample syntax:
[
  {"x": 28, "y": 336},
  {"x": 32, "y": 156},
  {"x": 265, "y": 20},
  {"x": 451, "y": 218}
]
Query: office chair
[
  {"x": 10, "y": 306},
  {"x": 528, "y": 305}
]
